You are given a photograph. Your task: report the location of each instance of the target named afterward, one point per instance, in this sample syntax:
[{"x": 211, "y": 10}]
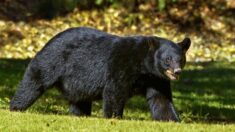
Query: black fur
[{"x": 86, "y": 65}]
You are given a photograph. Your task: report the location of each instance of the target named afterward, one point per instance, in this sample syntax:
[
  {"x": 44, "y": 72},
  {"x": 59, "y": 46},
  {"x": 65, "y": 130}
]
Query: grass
[
  {"x": 32, "y": 122},
  {"x": 204, "y": 98}
]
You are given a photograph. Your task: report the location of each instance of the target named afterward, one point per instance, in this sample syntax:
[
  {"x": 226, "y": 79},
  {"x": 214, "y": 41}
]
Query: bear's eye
[{"x": 168, "y": 60}]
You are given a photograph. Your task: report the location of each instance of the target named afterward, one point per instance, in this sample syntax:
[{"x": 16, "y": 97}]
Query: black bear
[{"x": 86, "y": 64}]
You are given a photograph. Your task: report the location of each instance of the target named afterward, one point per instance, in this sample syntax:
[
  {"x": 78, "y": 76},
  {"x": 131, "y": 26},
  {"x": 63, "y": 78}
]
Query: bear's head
[{"x": 168, "y": 58}]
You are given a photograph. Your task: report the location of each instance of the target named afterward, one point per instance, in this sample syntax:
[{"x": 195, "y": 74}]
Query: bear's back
[{"x": 77, "y": 58}]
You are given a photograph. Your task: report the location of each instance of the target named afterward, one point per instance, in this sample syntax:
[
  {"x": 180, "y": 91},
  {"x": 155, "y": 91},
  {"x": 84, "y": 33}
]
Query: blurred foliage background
[
  {"x": 25, "y": 26},
  {"x": 204, "y": 94}
]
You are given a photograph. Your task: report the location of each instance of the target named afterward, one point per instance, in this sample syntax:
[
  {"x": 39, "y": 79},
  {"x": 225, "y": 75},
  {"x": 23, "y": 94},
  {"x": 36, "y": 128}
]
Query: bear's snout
[
  {"x": 177, "y": 71},
  {"x": 173, "y": 74}
]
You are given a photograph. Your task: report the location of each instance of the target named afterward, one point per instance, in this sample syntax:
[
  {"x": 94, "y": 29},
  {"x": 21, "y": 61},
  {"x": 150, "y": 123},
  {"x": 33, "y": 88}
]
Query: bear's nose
[{"x": 177, "y": 71}]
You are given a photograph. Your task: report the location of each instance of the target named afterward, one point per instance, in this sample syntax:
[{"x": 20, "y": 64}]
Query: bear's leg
[
  {"x": 113, "y": 108},
  {"x": 161, "y": 105},
  {"x": 31, "y": 87},
  {"x": 118, "y": 110},
  {"x": 27, "y": 92},
  {"x": 113, "y": 103},
  {"x": 81, "y": 108},
  {"x": 107, "y": 108}
]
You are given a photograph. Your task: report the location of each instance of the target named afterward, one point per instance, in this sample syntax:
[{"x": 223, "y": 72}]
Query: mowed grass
[
  {"x": 204, "y": 98},
  {"x": 32, "y": 122}
]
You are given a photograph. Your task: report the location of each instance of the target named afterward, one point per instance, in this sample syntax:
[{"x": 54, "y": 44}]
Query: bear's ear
[
  {"x": 153, "y": 44},
  {"x": 185, "y": 44}
]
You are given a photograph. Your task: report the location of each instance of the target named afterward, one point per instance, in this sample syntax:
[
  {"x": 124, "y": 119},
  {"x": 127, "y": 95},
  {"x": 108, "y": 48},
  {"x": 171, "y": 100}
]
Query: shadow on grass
[
  {"x": 206, "y": 93},
  {"x": 207, "y": 90}
]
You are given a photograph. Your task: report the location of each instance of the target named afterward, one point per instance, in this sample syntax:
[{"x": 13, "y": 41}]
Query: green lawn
[
  {"x": 32, "y": 122},
  {"x": 204, "y": 98}
]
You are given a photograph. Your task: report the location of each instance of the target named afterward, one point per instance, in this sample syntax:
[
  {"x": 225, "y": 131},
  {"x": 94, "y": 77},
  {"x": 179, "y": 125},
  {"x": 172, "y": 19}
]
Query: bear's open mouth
[{"x": 170, "y": 74}]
